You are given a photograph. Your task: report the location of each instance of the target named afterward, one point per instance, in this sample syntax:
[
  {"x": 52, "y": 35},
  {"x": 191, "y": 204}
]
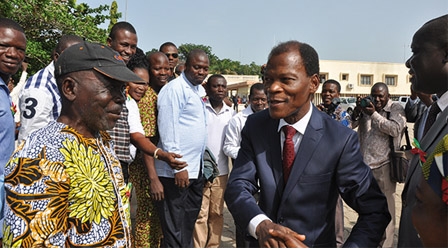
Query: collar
[
  {"x": 247, "y": 111},
  {"x": 3, "y": 82},
  {"x": 50, "y": 68},
  {"x": 443, "y": 101},
  {"x": 198, "y": 89},
  {"x": 301, "y": 125},
  {"x": 388, "y": 106},
  {"x": 223, "y": 109},
  {"x": 194, "y": 87}
]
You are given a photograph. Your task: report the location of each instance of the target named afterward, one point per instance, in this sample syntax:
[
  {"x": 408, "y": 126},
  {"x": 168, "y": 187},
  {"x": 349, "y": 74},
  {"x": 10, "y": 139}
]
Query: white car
[
  {"x": 348, "y": 104},
  {"x": 403, "y": 100}
]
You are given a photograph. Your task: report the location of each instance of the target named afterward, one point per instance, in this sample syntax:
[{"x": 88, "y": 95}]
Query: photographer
[
  {"x": 330, "y": 102},
  {"x": 378, "y": 118}
]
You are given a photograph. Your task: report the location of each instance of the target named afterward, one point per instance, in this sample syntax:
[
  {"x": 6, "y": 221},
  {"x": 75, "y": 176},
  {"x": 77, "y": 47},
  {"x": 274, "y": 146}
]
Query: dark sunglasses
[{"x": 175, "y": 55}]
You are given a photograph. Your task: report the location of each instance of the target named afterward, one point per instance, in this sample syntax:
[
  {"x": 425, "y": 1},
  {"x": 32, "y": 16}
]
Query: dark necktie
[
  {"x": 288, "y": 151},
  {"x": 432, "y": 115}
]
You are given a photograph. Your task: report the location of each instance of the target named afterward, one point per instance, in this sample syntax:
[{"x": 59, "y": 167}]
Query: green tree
[
  {"x": 217, "y": 65},
  {"x": 152, "y": 51},
  {"x": 113, "y": 15},
  {"x": 184, "y": 49},
  {"x": 45, "y": 21}
]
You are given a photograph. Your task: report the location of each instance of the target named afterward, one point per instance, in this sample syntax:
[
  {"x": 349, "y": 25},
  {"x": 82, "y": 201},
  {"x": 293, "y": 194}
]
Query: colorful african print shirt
[
  {"x": 64, "y": 190},
  {"x": 148, "y": 112}
]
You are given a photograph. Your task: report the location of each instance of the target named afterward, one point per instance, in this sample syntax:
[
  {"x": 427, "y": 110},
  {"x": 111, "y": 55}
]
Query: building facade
[{"x": 356, "y": 78}]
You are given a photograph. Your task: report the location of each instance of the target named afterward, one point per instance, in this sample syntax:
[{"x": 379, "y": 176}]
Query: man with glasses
[{"x": 170, "y": 50}]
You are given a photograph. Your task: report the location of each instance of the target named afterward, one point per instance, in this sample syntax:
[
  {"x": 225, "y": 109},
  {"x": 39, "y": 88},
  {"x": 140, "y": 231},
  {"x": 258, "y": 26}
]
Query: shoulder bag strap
[
  {"x": 408, "y": 142},
  {"x": 391, "y": 139}
]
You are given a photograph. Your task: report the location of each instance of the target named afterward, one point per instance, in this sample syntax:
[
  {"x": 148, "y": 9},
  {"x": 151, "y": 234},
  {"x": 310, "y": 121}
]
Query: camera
[
  {"x": 334, "y": 104},
  {"x": 366, "y": 101}
]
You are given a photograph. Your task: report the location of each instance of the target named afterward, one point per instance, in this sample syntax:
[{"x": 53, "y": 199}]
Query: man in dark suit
[
  {"x": 299, "y": 194},
  {"x": 429, "y": 74},
  {"x": 415, "y": 110}
]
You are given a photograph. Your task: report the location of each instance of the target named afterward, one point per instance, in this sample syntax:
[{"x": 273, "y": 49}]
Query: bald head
[
  {"x": 195, "y": 54},
  {"x": 380, "y": 86},
  {"x": 65, "y": 42},
  {"x": 159, "y": 70},
  {"x": 156, "y": 57},
  {"x": 436, "y": 31},
  {"x": 196, "y": 66}
]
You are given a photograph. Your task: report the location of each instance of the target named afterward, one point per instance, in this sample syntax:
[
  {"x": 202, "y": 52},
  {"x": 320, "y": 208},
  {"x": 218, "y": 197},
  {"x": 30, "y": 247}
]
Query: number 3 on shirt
[{"x": 30, "y": 108}]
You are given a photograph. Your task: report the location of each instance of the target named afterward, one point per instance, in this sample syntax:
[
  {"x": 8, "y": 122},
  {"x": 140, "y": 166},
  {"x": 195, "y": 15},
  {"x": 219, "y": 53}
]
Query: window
[
  {"x": 344, "y": 76},
  {"x": 365, "y": 79},
  {"x": 390, "y": 80},
  {"x": 323, "y": 77}
]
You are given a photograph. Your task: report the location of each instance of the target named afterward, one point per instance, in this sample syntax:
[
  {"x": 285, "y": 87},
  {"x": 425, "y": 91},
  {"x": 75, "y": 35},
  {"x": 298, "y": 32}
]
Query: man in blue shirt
[
  {"x": 12, "y": 54},
  {"x": 183, "y": 130}
]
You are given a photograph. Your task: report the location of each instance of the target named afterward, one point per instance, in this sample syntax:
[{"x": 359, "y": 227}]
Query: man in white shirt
[
  {"x": 257, "y": 102},
  {"x": 208, "y": 227},
  {"x": 39, "y": 100}
]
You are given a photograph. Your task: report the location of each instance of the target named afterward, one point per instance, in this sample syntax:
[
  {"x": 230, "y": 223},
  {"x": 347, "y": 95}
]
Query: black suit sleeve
[
  {"x": 414, "y": 111},
  {"x": 242, "y": 183},
  {"x": 361, "y": 192}
]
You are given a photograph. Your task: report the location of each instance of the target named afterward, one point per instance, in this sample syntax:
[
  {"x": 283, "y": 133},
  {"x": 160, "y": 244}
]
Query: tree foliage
[
  {"x": 45, "y": 21},
  {"x": 113, "y": 13},
  {"x": 221, "y": 66}
]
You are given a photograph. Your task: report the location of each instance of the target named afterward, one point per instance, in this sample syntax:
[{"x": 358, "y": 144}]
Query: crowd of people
[{"x": 102, "y": 119}]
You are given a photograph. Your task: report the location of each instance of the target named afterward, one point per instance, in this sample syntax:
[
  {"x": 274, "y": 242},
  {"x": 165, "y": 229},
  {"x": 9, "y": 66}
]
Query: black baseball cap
[{"x": 101, "y": 58}]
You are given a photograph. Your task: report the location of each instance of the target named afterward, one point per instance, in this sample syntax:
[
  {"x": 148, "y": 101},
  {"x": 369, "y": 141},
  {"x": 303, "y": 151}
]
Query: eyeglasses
[{"x": 174, "y": 55}]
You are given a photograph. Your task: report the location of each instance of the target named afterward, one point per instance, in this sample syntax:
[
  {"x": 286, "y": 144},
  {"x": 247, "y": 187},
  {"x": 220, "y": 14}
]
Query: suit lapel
[
  {"x": 428, "y": 140},
  {"x": 275, "y": 157},
  {"x": 308, "y": 145}
]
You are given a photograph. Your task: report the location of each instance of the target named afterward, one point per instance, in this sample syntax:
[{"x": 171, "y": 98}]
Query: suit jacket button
[{"x": 280, "y": 220}]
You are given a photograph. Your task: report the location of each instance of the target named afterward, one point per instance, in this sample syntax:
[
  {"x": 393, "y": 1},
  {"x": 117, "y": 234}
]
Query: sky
[{"x": 246, "y": 30}]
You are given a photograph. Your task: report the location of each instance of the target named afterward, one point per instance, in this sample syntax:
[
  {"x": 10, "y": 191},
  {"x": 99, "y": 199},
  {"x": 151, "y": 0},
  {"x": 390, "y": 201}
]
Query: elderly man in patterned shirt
[{"x": 64, "y": 184}]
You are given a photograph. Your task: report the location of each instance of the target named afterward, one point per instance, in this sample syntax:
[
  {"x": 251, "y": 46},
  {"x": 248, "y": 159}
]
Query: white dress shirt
[
  {"x": 443, "y": 103},
  {"x": 232, "y": 139},
  {"x": 182, "y": 123},
  {"x": 300, "y": 126}
]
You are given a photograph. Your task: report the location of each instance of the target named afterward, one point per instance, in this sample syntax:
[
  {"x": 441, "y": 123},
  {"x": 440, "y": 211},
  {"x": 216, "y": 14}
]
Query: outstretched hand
[
  {"x": 272, "y": 235},
  {"x": 293, "y": 240},
  {"x": 170, "y": 158}
]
